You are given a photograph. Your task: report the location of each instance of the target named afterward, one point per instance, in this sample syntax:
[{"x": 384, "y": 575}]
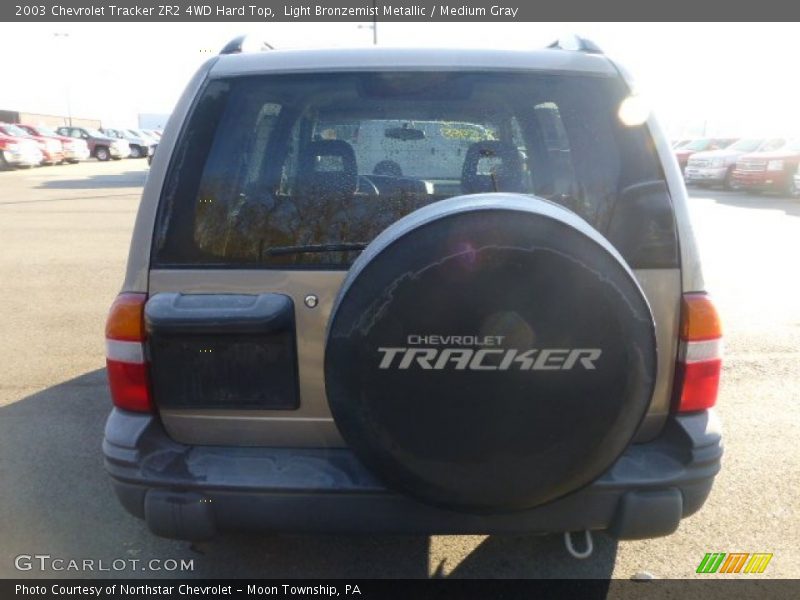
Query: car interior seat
[
  {"x": 327, "y": 170},
  {"x": 491, "y": 166}
]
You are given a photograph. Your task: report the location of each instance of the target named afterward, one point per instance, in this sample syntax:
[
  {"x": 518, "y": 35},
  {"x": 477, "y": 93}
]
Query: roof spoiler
[
  {"x": 576, "y": 43},
  {"x": 245, "y": 43}
]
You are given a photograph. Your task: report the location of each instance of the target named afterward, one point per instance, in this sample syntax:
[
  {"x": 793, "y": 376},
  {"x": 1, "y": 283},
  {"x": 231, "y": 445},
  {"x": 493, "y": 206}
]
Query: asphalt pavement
[{"x": 64, "y": 235}]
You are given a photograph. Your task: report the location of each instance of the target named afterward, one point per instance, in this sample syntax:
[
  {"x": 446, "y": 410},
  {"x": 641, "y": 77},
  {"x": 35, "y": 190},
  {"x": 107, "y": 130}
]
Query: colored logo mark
[{"x": 734, "y": 562}]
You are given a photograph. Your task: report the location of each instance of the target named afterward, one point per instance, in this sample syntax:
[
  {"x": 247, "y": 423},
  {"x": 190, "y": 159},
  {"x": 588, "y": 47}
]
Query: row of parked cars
[
  {"x": 751, "y": 164},
  {"x": 23, "y": 145}
]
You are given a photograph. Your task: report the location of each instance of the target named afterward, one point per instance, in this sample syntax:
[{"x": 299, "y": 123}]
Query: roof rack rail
[
  {"x": 237, "y": 45},
  {"x": 576, "y": 43}
]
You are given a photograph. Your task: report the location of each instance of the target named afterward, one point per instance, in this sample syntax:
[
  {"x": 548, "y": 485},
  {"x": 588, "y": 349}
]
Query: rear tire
[
  {"x": 101, "y": 153},
  {"x": 136, "y": 152},
  {"x": 728, "y": 183}
]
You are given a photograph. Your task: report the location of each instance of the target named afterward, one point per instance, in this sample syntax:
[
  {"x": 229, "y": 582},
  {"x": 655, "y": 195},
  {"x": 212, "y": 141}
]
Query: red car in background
[
  {"x": 73, "y": 150},
  {"x": 51, "y": 153},
  {"x": 682, "y": 153},
  {"x": 19, "y": 152},
  {"x": 772, "y": 171}
]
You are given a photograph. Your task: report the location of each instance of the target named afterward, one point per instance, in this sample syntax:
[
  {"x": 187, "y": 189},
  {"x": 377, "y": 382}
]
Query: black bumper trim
[{"x": 191, "y": 492}]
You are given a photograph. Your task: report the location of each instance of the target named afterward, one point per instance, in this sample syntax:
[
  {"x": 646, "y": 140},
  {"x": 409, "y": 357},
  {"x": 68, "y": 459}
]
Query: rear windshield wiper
[{"x": 314, "y": 248}]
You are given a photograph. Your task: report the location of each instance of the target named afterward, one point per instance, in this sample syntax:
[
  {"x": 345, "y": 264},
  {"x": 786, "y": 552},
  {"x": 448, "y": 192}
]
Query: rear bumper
[{"x": 191, "y": 492}]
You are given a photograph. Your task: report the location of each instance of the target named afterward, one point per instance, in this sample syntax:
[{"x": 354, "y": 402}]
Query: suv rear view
[{"x": 372, "y": 291}]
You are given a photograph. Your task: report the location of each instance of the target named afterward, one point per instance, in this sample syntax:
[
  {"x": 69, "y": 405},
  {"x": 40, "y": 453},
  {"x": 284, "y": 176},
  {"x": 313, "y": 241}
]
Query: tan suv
[{"x": 317, "y": 334}]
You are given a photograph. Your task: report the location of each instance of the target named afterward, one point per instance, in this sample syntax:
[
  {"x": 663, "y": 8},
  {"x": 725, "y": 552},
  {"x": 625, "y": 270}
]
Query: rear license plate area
[{"x": 222, "y": 351}]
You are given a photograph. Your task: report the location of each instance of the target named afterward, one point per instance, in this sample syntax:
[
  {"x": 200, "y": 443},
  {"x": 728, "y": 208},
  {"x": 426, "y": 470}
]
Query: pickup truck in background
[
  {"x": 716, "y": 167},
  {"x": 73, "y": 150},
  {"x": 683, "y": 152},
  {"x": 139, "y": 147},
  {"x": 772, "y": 171},
  {"x": 101, "y": 146}
]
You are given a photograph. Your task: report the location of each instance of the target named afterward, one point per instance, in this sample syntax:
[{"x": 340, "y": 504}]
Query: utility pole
[
  {"x": 374, "y": 22},
  {"x": 374, "y": 25}
]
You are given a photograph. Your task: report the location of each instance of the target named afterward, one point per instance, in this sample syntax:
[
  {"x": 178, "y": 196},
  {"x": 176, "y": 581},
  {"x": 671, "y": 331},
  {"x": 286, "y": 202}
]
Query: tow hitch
[{"x": 587, "y": 552}]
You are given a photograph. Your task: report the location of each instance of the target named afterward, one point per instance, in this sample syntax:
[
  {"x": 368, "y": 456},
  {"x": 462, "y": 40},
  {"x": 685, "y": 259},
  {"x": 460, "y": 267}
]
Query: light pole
[
  {"x": 65, "y": 36},
  {"x": 374, "y": 25}
]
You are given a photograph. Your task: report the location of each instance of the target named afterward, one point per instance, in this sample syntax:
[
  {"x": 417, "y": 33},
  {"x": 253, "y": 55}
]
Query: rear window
[{"x": 302, "y": 171}]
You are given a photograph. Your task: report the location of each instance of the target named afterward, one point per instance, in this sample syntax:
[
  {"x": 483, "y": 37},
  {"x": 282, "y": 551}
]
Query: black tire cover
[{"x": 490, "y": 353}]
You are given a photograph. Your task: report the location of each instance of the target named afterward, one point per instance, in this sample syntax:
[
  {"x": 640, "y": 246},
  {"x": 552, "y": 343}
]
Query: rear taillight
[
  {"x": 699, "y": 354},
  {"x": 125, "y": 360}
]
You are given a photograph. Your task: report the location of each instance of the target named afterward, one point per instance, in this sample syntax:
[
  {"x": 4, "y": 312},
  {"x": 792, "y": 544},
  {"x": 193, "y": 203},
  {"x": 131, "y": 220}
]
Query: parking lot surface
[{"x": 65, "y": 232}]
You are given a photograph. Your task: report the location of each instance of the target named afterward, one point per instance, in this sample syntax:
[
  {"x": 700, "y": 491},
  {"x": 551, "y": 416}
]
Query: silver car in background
[
  {"x": 149, "y": 139},
  {"x": 716, "y": 166}
]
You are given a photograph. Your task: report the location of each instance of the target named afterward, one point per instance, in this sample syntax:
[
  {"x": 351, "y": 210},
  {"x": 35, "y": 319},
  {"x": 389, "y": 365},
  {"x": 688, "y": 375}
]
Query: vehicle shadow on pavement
[
  {"x": 790, "y": 206},
  {"x": 126, "y": 179},
  {"x": 53, "y": 483},
  {"x": 538, "y": 557}
]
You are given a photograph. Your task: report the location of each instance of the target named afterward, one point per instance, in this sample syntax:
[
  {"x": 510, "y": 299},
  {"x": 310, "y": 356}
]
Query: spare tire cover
[{"x": 489, "y": 353}]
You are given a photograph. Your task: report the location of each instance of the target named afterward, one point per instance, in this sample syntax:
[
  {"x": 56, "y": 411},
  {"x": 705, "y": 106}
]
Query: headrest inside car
[
  {"x": 491, "y": 166},
  {"x": 328, "y": 167}
]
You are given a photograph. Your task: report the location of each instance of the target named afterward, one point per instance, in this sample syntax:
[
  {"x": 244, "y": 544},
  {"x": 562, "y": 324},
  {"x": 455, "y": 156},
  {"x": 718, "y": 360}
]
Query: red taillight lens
[
  {"x": 130, "y": 387},
  {"x": 125, "y": 362},
  {"x": 700, "y": 354}
]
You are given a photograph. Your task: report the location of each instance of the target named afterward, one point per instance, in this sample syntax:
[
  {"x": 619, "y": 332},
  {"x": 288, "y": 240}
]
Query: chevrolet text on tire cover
[{"x": 420, "y": 291}]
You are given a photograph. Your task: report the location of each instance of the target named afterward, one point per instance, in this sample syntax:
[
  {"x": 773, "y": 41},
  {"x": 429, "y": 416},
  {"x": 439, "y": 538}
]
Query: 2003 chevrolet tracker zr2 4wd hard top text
[{"x": 388, "y": 290}]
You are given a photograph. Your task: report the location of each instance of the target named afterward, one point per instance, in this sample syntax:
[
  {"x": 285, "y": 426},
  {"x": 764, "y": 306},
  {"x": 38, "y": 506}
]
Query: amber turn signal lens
[
  {"x": 126, "y": 318},
  {"x": 699, "y": 319}
]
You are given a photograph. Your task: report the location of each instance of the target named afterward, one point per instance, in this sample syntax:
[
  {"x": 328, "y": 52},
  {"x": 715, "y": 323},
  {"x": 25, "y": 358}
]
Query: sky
[{"x": 727, "y": 79}]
